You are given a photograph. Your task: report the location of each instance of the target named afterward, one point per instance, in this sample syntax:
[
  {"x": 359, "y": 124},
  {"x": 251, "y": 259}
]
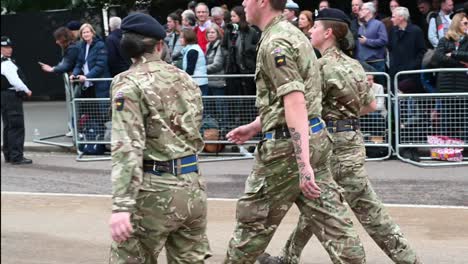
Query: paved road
[
  {"x": 51, "y": 229},
  {"x": 394, "y": 181}
]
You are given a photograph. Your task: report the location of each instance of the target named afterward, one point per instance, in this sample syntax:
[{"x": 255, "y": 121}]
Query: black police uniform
[{"x": 13, "y": 119}]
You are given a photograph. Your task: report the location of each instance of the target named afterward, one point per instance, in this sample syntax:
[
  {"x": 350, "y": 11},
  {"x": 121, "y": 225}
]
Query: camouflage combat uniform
[
  {"x": 156, "y": 115},
  {"x": 346, "y": 91},
  {"x": 285, "y": 64}
]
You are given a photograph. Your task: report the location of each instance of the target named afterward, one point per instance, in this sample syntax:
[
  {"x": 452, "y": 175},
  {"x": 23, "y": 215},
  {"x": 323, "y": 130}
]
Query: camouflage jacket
[
  {"x": 286, "y": 62},
  {"x": 156, "y": 115},
  {"x": 345, "y": 87}
]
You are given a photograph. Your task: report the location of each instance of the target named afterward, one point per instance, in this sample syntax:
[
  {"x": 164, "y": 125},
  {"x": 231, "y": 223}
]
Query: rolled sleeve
[{"x": 281, "y": 59}]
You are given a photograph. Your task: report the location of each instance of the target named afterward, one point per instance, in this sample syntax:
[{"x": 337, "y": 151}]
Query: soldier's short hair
[
  {"x": 135, "y": 45},
  {"x": 190, "y": 36},
  {"x": 278, "y": 5}
]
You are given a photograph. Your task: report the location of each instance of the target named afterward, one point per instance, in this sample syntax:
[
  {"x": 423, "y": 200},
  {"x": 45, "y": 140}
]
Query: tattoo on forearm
[{"x": 296, "y": 139}]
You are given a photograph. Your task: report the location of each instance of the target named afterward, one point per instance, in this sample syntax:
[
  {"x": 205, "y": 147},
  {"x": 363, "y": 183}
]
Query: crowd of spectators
[{"x": 204, "y": 41}]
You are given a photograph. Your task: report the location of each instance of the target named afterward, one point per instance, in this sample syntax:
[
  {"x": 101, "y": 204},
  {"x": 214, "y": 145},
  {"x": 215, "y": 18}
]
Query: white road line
[{"x": 223, "y": 199}]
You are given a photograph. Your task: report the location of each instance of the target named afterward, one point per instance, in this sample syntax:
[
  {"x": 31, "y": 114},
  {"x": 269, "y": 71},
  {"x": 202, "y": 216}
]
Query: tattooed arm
[{"x": 296, "y": 119}]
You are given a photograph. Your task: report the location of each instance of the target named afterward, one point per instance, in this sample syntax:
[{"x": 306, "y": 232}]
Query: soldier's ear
[{"x": 159, "y": 46}]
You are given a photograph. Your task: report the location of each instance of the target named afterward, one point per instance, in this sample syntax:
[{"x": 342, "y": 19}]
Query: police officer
[
  {"x": 159, "y": 197},
  {"x": 292, "y": 160},
  {"x": 13, "y": 91},
  {"x": 347, "y": 96}
]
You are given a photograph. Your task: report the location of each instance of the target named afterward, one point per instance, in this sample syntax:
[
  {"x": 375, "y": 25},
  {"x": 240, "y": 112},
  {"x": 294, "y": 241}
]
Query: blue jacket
[
  {"x": 97, "y": 64},
  {"x": 70, "y": 55},
  {"x": 116, "y": 60},
  {"x": 377, "y": 39}
]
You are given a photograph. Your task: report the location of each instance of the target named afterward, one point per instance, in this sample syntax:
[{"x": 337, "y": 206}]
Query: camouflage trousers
[
  {"x": 171, "y": 212},
  {"x": 273, "y": 187},
  {"x": 348, "y": 169}
]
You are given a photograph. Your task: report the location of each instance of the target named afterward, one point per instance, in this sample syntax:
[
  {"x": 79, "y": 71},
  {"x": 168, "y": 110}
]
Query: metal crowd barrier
[
  {"x": 223, "y": 113},
  {"x": 377, "y": 127},
  {"x": 69, "y": 104},
  {"x": 420, "y": 116}
]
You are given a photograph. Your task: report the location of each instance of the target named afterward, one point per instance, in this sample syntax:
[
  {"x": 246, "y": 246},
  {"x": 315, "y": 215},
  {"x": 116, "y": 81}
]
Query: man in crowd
[
  {"x": 440, "y": 22},
  {"x": 424, "y": 7},
  {"x": 13, "y": 90},
  {"x": 116, "y": 60},
  {"x": 74, "y": 26},
  {"x": 355, "y": 23},
  {"x": 217, "y": 15},
  {"x": 372, "y": 39},
  {"x": 202, "y": 12},
  {"x": 291, "y": 12},
  {"x": 406, "y": 47},
  {"x": 324, "y": 4}
]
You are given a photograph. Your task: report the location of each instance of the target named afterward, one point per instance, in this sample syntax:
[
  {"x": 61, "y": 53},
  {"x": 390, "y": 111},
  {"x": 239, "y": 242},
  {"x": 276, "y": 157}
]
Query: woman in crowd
[
  {"x": 448, "y": 55},
  {"x": 92, "y": 63},
  {"x": 215, "y": 60},
  {"x": 215, "y": 65},
  {"x": 174, "y": 25},
  {"x": 193, "y": 62},
  {"x": 451, "y": 52},
  {"x": 70, "y": 50},
  {"x": 240, "y": 41},
  {"x": 305, "y": 22}
]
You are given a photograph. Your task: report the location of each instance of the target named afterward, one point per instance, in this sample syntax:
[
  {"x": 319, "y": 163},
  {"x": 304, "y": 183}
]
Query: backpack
[{"x": 91, "y": 131}]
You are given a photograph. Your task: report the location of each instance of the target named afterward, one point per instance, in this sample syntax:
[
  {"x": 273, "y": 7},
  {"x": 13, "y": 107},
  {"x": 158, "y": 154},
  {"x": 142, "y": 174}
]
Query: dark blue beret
[
  {"x": 6, "y": 42},
  {"x": 144, "y": 25},
  {"x": 74, "y": 25},
  {"x": 332, "y": 14}
]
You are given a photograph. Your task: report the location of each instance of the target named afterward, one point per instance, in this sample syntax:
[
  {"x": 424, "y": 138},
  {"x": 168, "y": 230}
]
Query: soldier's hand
[
  {"x": 241, "y": 134},
  {"x": 307, "y": 183},
  {"x": 120, "y": 225},
  {"x": 28, "y": 93}
]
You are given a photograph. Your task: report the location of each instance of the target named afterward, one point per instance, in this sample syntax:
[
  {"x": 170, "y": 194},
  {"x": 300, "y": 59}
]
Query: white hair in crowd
[
  {"x": 217, "y": 11},
  {"x": 370, "y": 6},
  {"x": 115, "y": 22},
  {"x": 402, "y": 11}
]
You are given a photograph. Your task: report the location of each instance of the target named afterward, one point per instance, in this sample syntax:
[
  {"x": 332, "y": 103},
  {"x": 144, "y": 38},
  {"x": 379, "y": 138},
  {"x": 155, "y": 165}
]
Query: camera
[
  {"x": 75, "y": 78},
  {"x": 232, "y": 27}
]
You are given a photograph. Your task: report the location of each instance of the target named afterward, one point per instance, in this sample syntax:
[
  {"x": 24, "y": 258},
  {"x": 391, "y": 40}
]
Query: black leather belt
[
  {"x": 335, "y": 126},
  {"x": 176, "y": 167}
]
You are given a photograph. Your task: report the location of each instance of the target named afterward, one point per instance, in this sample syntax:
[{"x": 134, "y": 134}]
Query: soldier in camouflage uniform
[
  {"x": 159, "y": 198},
  {"x": 347, "y": 96},
  {"x": 292, "y": 161}
]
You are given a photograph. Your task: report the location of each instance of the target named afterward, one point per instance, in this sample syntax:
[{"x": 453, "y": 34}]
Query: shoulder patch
[
  {"x": 119, "y": 104},
  {"x": 119, "y": 101},
  {"x": 280, "y": 60}
]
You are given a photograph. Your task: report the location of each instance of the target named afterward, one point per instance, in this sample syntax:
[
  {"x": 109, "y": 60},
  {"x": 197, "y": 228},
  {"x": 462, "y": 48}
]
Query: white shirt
[
  {"x": 380, "y": 100},
  {"x": 10, "y": 71}
]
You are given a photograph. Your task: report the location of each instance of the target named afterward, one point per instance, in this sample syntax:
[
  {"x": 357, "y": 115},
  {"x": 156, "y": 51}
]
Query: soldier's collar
[
  {"x": 330, "y": 50},
  {"x": 148, "y": 57},
  {"x": 274, "y": 21}
]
